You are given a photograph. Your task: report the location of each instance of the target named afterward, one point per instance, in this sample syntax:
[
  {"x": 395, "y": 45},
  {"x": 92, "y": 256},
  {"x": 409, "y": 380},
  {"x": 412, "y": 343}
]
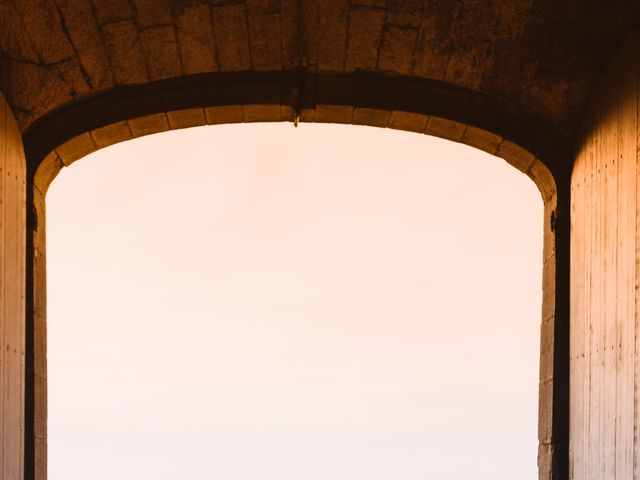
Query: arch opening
[
  {"x": 378, "y": 134},
  {"x": 67, "y": 134}
]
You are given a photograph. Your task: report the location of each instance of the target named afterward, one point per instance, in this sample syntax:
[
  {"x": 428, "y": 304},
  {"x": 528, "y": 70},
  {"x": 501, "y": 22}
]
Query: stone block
[
  {"x": 545, "y": 412},
  {"x": 47, "y": 171},
  {"x": 192, "y": 117},
  {"x": 396, "y": 49},
  {"x": 224, "y": 114},
  {"x": 543, "y": 178},
  {"x": 76, "y": 148},
  {"x": 14, "y": 40},
  {"x": 334, "y": 114},
  {"x": 40, "y": 420},
  {"x": 547, "y": 339},
  {"x": 287, "y": 113},
  {"x": 112, "y": 11},
  {"x": 290, "y": 25},
  {"x": 481, "y": 139},
  {"x": 160, "y": 48},
  {"x": 365, "y": 34},
  {"x": 265, "y": 36},
  {"x": 232, "y": 37},
  {"x": 549, "y": 287},
  {"x": 545, "y": 462},
  {"x": 309, "y": 41},
  {"x": 549, "y": 236},
  {"x": 381, "y": 4},
  {"x": 470, "y": 63},
  {"x": 40, "y": 456},
  {"x": 262, "y": 113},
  {"x": 411, "y": 122},
  {"x": 443, "y": 128},
  {"x": 332, "y": 34},
  {"x": 44, "y": 26},
  {"x": 114, "y": 133},
  {"x": 123, "y": 46},
  {"x": 153, "y": 12},
  {"x": 71, "y": 71},
  {"x": 84, "y": 34},
  {"x": 404, "y": 13},
  {"x": 149, "y": 124},
  {"x": 195, "y": 39},
  {"x": 372, "y": 117},
  {"x": 308, "y": 115},
  {"x": 515, "y": 155}
]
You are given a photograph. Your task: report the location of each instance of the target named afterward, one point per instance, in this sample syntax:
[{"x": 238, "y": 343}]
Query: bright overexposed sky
[{"x": 263, "y": 302}]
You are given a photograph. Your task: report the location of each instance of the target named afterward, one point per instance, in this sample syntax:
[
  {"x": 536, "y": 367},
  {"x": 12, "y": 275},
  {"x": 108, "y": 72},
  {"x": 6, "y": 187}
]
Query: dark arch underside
[{"x": 301, "y": 92}]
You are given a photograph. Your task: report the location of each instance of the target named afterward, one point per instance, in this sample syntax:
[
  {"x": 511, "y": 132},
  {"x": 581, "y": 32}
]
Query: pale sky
[{"x": 263, "y": 302}]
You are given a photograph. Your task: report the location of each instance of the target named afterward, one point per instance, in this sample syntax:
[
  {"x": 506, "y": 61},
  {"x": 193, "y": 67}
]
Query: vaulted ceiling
[{"x": 540, "y": 56}]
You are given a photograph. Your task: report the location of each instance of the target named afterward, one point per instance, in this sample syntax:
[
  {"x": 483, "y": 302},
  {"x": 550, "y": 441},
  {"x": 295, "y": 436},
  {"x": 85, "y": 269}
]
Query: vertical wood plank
[
  {"x": 609, "y": 294},
  {"x": 12, "y": 291},
  {"x": 605, "y": 279},
  {"x": 577, "y": 302},
  {"x": 3, "y": 339},
  {"x": 625, "y": 317},
  {"x": 635, "y": 58}
]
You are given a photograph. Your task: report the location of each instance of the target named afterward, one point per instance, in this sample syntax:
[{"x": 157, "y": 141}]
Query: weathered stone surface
[
  {"x": 412, "y": 122},
  {"x": 193, "y": 117},
  {"x": 265, "y": 34},
  {"x": 73, "y": 75},
  {"x": 122, "y": 42},
  {"x": 117, "y": 132},
  {"x": 291, "y": 33},
  {"x": 395, "y": 41},
  {"x": 332, "y": 21},
  {"x": 14, "y": 40},
  {"x": 481, "y": 139},
  {"x": 49, "y": 168},
  {"x": 160, "y": 48},
  {"x": 42, "y": 22},
  {"x": 444, "y": 128},
  {"x": 76, "y": 148},
  {"x": 112, "y": 10},
  {"x": 32, "y": 87},
  {"x": 149, "y": 124},
  {"x": 516, "y": 155},
  {"x": 85, "y": 37},
  {"x": 153, "y": 12},
  {"x": 537, "y": 55},
  {"x": 371, "y": 117},
  {"x": 404, "y": 13},
  {"x": 232, "y": 37},
  {"x": 218, "y": 115},
  {"x": 365, "y": 34},
  {"x": 196, "y": 40}
]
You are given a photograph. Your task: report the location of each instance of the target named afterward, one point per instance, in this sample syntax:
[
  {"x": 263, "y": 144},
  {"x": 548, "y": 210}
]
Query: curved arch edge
[
  {"x": 85, "y": 143},
  {"x": 426, "y": 107},
  {"x": 364, "y": 98}
]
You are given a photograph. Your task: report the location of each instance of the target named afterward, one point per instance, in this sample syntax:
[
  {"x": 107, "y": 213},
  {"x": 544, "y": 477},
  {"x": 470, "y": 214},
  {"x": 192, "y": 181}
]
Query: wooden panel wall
[
  {"x": 605, "y": 278},
  {"x": 12, "y": 296}
]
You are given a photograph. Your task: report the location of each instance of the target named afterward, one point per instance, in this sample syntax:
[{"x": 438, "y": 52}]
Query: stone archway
[
  {"x": 456, "y": 114},
  {"x": 508, "y": 77}
]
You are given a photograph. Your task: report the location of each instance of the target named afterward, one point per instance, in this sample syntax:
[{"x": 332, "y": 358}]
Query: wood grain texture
[
  {"x": 605, "y": 247},
  {"x": 12, "y": 296}
]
